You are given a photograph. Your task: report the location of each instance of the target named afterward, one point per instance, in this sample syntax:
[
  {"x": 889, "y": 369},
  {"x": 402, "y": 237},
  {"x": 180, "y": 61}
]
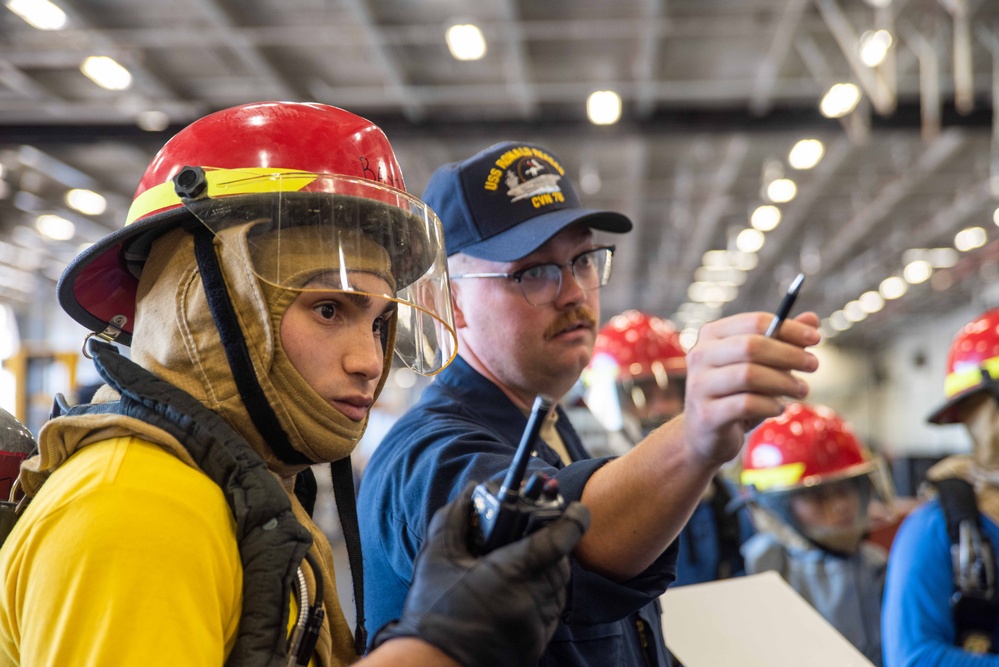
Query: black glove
[{"x": 500, "y": 609}]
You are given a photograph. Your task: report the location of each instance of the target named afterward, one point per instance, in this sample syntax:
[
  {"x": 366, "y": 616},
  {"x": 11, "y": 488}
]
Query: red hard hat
[
  {"x": 804, "y": 446},
  {"x": 974, "y": 353},
  {"x": 99, "y": 287},
  {"x": 639, "y": 345}
]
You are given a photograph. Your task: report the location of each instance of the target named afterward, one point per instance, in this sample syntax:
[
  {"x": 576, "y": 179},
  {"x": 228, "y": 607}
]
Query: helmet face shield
[
  {"x": 306, "y": 231},
  {"x": 836, "y": 514}
]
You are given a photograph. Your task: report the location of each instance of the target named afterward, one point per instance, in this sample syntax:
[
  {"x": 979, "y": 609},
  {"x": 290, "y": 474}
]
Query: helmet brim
[{"x": 949, "y": 412}]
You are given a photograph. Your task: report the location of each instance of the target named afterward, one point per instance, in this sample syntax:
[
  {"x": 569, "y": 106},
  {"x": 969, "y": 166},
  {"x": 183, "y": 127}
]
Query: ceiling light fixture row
[
  {"x": 466, "y": 42},
  {"x": 717, "y": 280},
  {"x": 103, "y": 70},
  {"x": 918, "y": 266}
]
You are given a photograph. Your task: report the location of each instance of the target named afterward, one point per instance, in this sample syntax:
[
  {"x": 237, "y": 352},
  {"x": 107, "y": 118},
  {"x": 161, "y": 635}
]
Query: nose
[
  {"x": 571, "y": 293},
  {"x": 839, "y": 503},
  {"x": 364, "y": 356}
]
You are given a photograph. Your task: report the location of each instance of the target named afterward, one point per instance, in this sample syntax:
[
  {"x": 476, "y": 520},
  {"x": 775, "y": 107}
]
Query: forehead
[{"x": 363, "y": 281}]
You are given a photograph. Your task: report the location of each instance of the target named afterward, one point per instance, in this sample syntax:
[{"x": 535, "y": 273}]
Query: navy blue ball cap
[{"x": 505, "y": 202}]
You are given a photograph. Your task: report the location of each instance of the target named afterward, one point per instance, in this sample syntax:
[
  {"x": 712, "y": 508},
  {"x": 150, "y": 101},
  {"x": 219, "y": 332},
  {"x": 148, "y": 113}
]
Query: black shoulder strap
[
  {"x": 307, "y": 490},
  {"x": 975, "y": 604},
  {"x": 236, "y": 351},
  {"x": 346, "y": 507},
  {"x": 957, "y": 500}
]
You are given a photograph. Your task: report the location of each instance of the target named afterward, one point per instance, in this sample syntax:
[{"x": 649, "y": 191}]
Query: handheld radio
[{"x": 505, "y": 512}]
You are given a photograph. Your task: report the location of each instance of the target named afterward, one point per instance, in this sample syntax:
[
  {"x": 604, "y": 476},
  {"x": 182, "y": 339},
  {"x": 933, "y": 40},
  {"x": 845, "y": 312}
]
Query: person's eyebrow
[{"x": 362, "y": 301}]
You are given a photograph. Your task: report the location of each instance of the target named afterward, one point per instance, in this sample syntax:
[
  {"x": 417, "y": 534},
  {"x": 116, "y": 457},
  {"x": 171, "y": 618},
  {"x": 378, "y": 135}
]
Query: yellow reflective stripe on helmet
[
  {"x": 781, "y": 477},
  {"x": 966, "y": 378},
  {"x": 222, "y": 182}
]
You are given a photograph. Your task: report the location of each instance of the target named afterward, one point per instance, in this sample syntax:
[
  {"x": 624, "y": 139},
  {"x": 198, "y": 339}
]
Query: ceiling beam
[
  {"x": 781, "y": 40},
  {"x": 515, "y": 67},
  {"x": 402, "y": 95}
]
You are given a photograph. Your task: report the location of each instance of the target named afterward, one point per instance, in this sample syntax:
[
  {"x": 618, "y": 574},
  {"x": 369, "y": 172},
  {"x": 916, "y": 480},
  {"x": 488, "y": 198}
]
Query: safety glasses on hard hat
[{"x": 303, "y": 231}]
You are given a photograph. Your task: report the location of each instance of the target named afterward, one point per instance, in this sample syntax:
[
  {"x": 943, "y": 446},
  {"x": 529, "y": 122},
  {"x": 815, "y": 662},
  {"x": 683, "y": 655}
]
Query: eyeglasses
[{"x": 542, "y": 283}]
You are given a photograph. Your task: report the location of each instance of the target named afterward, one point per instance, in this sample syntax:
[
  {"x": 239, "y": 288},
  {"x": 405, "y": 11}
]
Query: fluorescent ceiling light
[
  {"x": 854, "y": 312},
  {"x": 893, "y": 287},
  {"x": 917, "y": 271},
  {"x": 106, "y": 73},
  {"x": 55, "y": 227},
  {"x": 466, "y": 42},
  {"x": 40, "y": 14},
  {"x": 765, "y": 218},
  {"x": 874, "y": 45},
  {"x": 782, "y": 190},
  {"x": 806, "y": 154},
  {"x": 840, "y": 100},
  {"x": 152, "y": 120},
  {"x": 603, "y": 107},
  {"x": 87, "y": 202},
  {"x": 749, "y": 240},
  {"x": 969, "y": 239},
  {"x": 839, "y": 321},
  {"x": 871, "y": 302}
]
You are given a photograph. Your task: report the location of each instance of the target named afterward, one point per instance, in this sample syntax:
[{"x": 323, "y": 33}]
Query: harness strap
[{"x": 975, "y": 604}]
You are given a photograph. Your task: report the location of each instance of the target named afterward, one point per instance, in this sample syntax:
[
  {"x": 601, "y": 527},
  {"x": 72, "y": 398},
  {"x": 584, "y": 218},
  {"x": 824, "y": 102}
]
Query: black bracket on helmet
[{"x": 190, "y": 183}]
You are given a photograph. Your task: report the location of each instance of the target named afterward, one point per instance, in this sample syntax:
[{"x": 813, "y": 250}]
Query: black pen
[{"x": 784, "y": 309}]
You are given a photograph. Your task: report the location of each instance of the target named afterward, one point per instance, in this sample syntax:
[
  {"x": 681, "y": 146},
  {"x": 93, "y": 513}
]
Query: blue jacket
[
  {"x": 464, "y": 428},
  {"x": 705, "y": 553},
  {"x": 917, "y": 627}
]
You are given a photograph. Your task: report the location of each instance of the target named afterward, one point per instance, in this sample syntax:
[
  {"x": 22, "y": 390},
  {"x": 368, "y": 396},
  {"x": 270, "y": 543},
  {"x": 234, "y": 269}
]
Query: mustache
[{"x": 578, "y": 314}]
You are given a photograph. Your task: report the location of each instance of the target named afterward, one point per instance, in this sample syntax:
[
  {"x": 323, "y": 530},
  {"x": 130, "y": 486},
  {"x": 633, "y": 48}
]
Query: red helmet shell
[
  {"x": 975, "y": 349},
  {"x": 97, "y": 288},
  {"x": 804, "y": 446},
  {"x": 636, "y": 342}
]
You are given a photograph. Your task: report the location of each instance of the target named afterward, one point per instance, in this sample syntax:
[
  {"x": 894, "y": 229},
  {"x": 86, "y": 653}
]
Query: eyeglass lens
[{"x": 541, "y": 284}]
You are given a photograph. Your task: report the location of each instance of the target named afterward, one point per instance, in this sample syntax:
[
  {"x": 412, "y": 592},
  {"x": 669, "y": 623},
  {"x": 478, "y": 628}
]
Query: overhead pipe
[
  {"x": 991, "y": 42},
  {"x": 964, "y": 87}
]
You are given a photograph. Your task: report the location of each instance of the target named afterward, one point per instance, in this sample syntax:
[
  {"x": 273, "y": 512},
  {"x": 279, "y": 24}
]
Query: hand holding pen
[
  {"x": 732, "y": 385},
  {"x": 784, "y": 309}
]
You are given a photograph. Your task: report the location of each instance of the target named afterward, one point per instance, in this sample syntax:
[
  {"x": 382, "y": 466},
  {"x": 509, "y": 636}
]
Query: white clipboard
[{"x": 754, "y": 621}]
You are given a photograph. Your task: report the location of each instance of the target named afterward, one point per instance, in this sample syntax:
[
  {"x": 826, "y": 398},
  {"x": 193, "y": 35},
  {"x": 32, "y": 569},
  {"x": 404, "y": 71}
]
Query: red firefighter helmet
[
  {"x": 291, "y": 165},
  {"x": 804, "y": 446},
  {"x": 972, "y": 363},
  {"x": 635, "y": 379},
  {"x": 807, "y": 459},
  {"x": 640, "y": 345},
  {"x": 16, "y": 443}
]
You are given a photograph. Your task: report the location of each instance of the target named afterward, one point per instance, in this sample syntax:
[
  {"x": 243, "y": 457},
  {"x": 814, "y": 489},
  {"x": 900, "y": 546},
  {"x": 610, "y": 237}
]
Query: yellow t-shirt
[{"x": 127, "y": 556}]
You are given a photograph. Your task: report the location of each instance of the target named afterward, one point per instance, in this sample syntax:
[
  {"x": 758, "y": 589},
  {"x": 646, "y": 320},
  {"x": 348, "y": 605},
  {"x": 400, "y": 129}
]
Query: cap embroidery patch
[{"x": 527, "y": 173}]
